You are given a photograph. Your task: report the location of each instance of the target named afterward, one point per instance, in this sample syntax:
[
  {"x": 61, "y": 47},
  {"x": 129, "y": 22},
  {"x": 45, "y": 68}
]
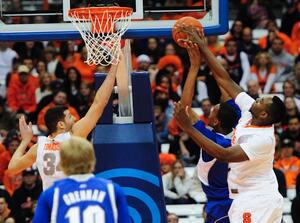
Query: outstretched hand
[
  {"x": 25, "y": 130},
  {"x": 182, "y": 116},
  {"x": 194, "y": 54},
  {"x": 195, "y": 35}
]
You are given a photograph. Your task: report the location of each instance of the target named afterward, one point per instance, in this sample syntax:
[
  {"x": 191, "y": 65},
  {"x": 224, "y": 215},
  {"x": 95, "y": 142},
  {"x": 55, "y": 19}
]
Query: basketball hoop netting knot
[{"x": 101, "y": 29}]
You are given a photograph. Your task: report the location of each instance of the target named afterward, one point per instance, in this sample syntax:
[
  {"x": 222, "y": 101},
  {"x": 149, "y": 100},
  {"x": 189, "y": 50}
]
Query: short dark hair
[
  {"x": 53, "y": 116},
  {"x": 227, "y": 116},
  {"x": 277, "y": 110}
]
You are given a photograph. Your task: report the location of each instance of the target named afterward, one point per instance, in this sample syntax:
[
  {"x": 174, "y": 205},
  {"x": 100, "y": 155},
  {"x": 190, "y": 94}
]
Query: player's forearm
[
  {"x": 189, "y": 87},
  {"x": 104, "y": 92},
  {"x": 206, "y": 144},
  {"x": 220, "y": 74},
  {"x": 14, "y": 165}
]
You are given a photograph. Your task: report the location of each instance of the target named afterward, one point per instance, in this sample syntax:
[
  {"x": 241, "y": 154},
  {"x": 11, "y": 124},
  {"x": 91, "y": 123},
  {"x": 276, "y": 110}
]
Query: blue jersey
[
  {"x": 82, "y": 199},
  {"x": 213, "y": 175}
]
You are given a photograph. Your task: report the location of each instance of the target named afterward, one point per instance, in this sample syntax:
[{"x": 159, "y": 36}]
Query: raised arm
[
  {"x": 21, "y": 160},
  {"x": 220, "y": 74},
  {"x": 85, "y": 125}
]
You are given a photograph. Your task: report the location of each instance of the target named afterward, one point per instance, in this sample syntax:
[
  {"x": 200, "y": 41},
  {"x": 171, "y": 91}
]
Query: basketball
[{"x": 177, "y": 34}]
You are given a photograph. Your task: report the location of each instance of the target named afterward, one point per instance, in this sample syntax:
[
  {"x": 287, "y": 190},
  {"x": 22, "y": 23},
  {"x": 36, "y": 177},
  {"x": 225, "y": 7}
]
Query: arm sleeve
[
  {"x": 123, "y": 214},
  {"x": 258, "y": 147},
  {"x": 244, "y": 101},
  {"x": 235, "y": 107},
  {"x": 200, "y": 126},
  {"x": 42, "y": 213},
  {"x": 168, "y": 193},
  {"x": 246, "y": 70}
]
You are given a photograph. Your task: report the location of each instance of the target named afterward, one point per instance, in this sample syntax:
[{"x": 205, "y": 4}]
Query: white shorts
[{"x": 256, "y": 209}]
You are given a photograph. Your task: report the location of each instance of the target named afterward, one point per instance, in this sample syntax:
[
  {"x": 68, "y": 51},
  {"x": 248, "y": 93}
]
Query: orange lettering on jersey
[
  {"x": 247, "y": 217},
  {"x": 52, "y": 146}
]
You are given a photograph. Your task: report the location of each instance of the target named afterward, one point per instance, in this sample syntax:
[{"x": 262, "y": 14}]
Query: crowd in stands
[{"x": 36, "y": 76}]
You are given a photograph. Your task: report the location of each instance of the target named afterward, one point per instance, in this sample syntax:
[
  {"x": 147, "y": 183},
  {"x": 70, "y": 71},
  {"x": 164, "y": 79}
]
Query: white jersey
[
  {"x": 48, "y": 158},
  {"x": 256, "y": 175}
]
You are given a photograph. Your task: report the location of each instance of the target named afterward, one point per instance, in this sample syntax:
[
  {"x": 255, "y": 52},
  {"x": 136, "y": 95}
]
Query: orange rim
[{"x": 84, "y": 13}]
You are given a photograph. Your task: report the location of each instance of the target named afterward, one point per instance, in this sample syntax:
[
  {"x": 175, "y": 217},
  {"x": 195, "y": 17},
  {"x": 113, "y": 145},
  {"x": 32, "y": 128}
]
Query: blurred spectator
[
  {"x": 29, "y": 49},
  {"x": 293, "y": 133},
  {"x": 289, "y": 90},
  {"x": 295, "y": 78},
  {"x": 172, "y": 218},
  {"x": 214, "y": 44},
  {"x": 45, "y": 87},
  {"x": 253, "y": 89},
  {"x": 5, "y": 212},
  {"x": 279, "y": 174},
  {"x": 72, "y": 83},
  {"x": 295, "y": 46},
  {"x": 290, "y": 17},
  {"x": 144, "y": 62},
  {"x": 206, "y": 108},
  {"x": 235, "y": 31},
  {"x": 255, "y": 14},
  {"x": 21, "y": 94},
  {"x": 6, "y": 60},
  {"x": 59, "y": 98},
  {"x": 68, "y": 54},
  {"x": 238, "y": 63},
  {"x": 296, "y": 203},
  {"x": 264, "y": 71},
  {"x": 83, "y": 99},
  {"x": 163, "y": 79},
  {"x": 177, "y": 185},
  {"x": 166, "y": 162},
  {"x": 273, "y": 32},
  {"x": 11, "y": 144},
  {"x": 291, "y": 111},
  {"x": 86, "y": 71},
  {"x": 289, "y": 164},
  {"x": 7, "y": 119},
  {"x": 283, "y": 60},
  {"x": 153, "y": 50},
  {"x": 27, "y": 195},
  {"x": 54, "y": 67},
  {"x": 247, "y": 45}
]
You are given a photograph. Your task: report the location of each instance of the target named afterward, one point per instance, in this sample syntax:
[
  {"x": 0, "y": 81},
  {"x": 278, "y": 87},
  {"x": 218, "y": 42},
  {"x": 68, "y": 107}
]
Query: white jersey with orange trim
[
  {"x": 48, "y": 158},
  {"x": 252, "y": 184},
  {"x": 255, "y": 175}
]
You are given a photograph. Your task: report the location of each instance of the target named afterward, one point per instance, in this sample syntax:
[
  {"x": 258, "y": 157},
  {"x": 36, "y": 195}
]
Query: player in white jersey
[
  {"x": 251, "y": 180},
  {"x": 61, "y": 125}
]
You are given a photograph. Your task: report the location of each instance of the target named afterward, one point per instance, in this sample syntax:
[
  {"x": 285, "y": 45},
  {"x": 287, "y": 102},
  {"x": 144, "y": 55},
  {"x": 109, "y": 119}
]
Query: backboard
[{"x": 22, "y": 20}]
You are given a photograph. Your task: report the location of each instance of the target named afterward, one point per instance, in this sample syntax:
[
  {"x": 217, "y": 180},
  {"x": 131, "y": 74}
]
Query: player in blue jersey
[
  {"x": 223, "y": 118},
  {"x": 81, "y": 197}
]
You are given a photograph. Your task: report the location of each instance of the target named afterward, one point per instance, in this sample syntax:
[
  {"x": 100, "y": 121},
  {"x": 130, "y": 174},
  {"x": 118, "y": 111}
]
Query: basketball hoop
[{"x": 101, "y": 29}]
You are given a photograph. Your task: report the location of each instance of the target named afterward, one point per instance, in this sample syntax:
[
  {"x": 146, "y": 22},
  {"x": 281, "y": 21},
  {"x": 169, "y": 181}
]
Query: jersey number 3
[
  {"x": 50, "y": 160},
  {"x": 91, "y": 214}
]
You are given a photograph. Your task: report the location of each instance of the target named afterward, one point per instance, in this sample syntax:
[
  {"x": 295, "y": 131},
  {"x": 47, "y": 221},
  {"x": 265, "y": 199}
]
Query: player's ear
[
  {"x": 60, "y": 125},
  {"x": 263, "y": 114}
]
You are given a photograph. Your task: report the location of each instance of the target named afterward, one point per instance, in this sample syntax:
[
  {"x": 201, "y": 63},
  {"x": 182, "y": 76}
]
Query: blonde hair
[{"x": 77, "y": 156}]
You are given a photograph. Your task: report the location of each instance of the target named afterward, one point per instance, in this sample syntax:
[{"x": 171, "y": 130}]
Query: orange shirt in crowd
[
  {"x": 204, "y": 119},
  {"x": 41, "y": 115},
  {"x": 263, "y": 80},
  {"x": 263, "y": 41},
  {"x": 12, "y": 182},
  {"x": 5, "y": 157},
  {"x": 21, "y": 96},
  {"x": 291, "y": 168},
  {"x": 34, "y": 80}
]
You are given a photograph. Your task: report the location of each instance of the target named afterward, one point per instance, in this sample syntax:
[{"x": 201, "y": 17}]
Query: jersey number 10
[{"x": 91, "y": 214}]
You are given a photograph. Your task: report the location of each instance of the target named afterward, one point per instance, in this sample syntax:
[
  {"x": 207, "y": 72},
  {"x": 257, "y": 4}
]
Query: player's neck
[{"x": 54, "y": 134}]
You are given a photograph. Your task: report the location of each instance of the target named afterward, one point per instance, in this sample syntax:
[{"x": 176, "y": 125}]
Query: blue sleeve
[
  {"x": 235, "y": 107},
  {"x": 43, "y": 211},
  {"x": 200, "y": 126},
  {"x": 123, "y": 214}
]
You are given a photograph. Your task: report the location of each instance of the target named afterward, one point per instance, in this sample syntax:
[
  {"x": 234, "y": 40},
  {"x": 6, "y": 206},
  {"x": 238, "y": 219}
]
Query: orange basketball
[{"x": 177, "y": 34}]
